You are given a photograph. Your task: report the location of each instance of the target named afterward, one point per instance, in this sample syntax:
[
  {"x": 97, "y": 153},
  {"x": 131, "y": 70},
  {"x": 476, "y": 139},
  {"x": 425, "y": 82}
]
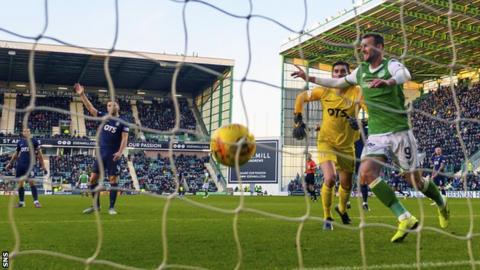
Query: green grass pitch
[{"x": 203, "y": 238}]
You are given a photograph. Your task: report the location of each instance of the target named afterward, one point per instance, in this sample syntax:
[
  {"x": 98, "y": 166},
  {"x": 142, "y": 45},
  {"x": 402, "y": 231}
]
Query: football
[{"x": 225, "y": 142}]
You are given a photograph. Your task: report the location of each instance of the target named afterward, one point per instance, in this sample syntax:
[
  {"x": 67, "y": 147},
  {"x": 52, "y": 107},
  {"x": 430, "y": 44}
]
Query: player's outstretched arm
[
  {"x": 307, "y": 96},
  {"x": 299, "y": 130},
  {"x": 123, "y": 145},
  {"x": 80, "y": 90},
  {"x": 325, "y": 82}
]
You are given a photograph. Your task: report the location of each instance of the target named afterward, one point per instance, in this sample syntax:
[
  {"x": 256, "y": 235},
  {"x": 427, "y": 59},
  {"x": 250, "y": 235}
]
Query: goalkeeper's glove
[{"x": 299, "y": 129}]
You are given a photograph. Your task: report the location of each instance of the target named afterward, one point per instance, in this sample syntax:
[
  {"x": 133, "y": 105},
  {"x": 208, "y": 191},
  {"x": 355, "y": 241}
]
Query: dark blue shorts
[
  {"x": 112, "y": 168},
  {"x": 439, "y": 180},
  {"x": 21, "y": 171}
]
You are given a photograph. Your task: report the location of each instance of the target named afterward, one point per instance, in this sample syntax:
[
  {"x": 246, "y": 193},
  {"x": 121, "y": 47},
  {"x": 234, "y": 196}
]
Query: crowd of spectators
[
  {"x": 454, "y": 183},
  {"x": 40, "y": 121},
  {"x": 296, "y": 184},
  {"x": 430, "y": 132},
  {"x": 66, "y": 169},
  {"x": 160, "y": 115},
  {"x": 156, "y": 175}
]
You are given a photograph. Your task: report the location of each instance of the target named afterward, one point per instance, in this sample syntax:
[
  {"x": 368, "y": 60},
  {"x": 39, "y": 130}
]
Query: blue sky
[{"x": 156, "y": 26}]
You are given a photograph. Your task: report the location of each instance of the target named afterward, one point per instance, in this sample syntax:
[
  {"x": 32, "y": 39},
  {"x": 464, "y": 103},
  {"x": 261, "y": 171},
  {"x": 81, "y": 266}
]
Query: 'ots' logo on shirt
[
  {"x": 336, "y": 112},
  {"x": 24, "y": 149},
  {"x": 110, "y": 128}
]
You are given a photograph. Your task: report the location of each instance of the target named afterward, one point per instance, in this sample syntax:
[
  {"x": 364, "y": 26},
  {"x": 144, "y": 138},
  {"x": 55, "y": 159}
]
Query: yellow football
[{"x": 225, "y": 142}]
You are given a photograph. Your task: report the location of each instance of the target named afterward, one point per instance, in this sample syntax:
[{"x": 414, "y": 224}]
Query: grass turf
[{"x": 204, "y": 238}]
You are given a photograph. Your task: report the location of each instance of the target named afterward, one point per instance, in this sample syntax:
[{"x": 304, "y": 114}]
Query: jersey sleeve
[
  {"x": 398, "y": 71},
  {"x": 100, "y": 113},
  {"x": 18, "y": 146},
  {"x": 352, "y": 77},
  {"x": 316, "y": 93}
]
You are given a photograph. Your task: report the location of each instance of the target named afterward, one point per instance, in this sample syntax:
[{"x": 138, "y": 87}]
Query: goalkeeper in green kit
[{"x": 381, "y": 81}]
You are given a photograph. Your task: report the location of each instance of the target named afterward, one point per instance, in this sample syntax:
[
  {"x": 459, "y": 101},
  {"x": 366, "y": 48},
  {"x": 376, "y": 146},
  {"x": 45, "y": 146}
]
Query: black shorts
[
  {"x": 439, "y": 180},
  {"x": 310, "y": 178},
  {"x": 112, "y": 168},
  {"x": 21, "y": 171}
]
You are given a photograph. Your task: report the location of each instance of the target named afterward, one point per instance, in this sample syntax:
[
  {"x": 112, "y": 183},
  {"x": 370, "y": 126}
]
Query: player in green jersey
[
  {"x": 83, "y": 183},
  {"x": 381, "y": 81}
]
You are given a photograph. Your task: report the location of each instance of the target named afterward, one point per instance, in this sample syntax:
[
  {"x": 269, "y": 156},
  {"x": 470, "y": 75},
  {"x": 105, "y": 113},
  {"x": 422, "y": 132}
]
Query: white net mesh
[{"x": 241, "y": 207}]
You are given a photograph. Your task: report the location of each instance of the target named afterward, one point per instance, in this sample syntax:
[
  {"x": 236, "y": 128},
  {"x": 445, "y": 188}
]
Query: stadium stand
[
  {"x": 295, "y": 186},
  {"x": 160, "y": 115},
  {"x": 9, "y": 185},
  {"x": 41, "y": 122},
  {"x": 431, "y": 133},
  {"x": 3, "y": 161},
  {"x": 66, "y": 169},
  {"x": 155, "y": 174}
]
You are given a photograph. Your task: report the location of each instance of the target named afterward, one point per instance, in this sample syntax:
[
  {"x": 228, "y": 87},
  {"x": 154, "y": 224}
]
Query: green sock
[
  {"x": 431, "y": 191},
  {"x": 386, "y": 195}
]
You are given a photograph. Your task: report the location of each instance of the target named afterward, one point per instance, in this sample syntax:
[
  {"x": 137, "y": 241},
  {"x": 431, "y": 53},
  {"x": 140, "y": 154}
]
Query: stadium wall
[{"x": 215, "y": 102}]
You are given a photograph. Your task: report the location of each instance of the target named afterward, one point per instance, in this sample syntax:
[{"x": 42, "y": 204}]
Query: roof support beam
[
  {"x": 468, "y": 10},
  {"x": 10, "y": 70},
  {"x": 413, "y": 43},
  {"x": 394, "y": 50},
  {"x": 443, "y": 36},
  {"x": 84, "y": 69},
  {"x": 441, "y": 20},
  {"x": 399, "y": 39}
]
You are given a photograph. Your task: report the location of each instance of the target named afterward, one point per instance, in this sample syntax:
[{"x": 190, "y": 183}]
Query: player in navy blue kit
[
  {"x": 439, "y": 161},
  {"x": 22, "y": 156},
  {"x": 113, "y": 140},
  {"x": 358, "y": 152}
]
